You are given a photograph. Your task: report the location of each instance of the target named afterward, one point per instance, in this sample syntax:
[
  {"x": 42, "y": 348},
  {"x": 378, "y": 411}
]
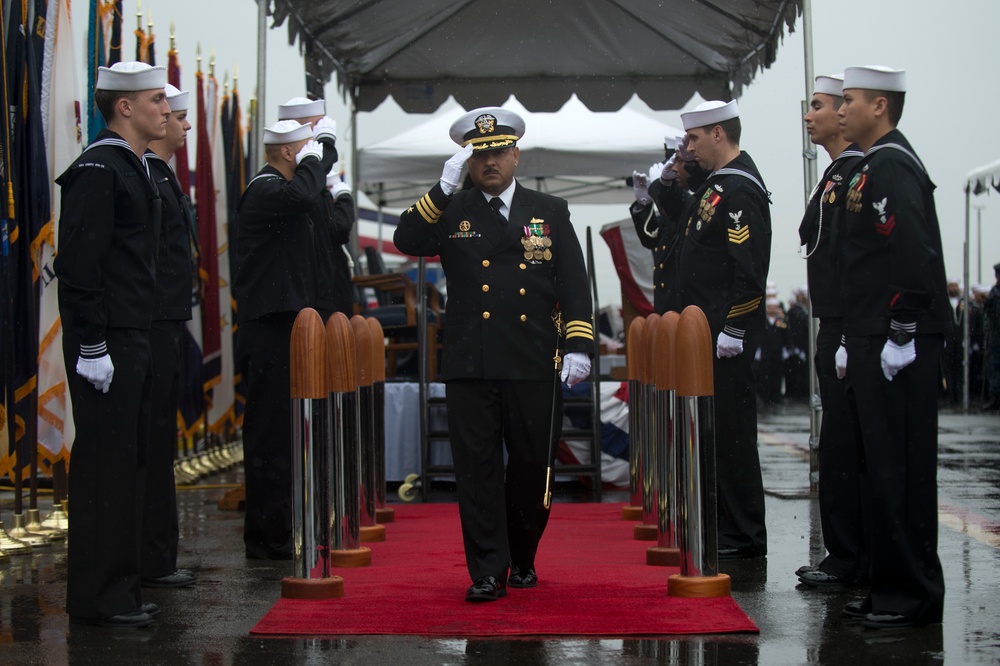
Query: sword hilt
[{"x": 547, "y": 499}]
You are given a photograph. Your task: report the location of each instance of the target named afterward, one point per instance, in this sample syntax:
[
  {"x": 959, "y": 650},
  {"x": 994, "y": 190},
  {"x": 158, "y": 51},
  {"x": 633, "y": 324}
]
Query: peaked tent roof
[
  {"x": 580, "y": 154},
  {"x": 482, "y": 51}
]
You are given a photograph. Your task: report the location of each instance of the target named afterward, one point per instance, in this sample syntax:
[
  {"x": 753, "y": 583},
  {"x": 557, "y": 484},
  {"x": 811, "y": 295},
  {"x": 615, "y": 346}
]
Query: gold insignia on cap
[{"x": 485, "y": 123}]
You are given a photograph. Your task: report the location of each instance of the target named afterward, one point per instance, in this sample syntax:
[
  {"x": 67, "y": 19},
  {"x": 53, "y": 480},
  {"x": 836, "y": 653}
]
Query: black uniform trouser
[
  {"x": 263, "y": 348},
  {"x": 738, "y": 480},
  {"x": 840, "y": 464},
  {"x": 898, "y": 423},
  {"x": 158, "y": 551},
  {"x": 502, "y": 514},
  {"x": 107, "y": 477}
]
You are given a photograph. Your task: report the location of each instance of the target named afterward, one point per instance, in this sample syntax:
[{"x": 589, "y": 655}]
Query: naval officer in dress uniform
[
  {"x": 514, "y": 265},
  {"x": 108, "y": 232},
  {"x": 820, "y": 235},
  {"x": 722, "y": 268},
  {"x": 895, "y": 316}
]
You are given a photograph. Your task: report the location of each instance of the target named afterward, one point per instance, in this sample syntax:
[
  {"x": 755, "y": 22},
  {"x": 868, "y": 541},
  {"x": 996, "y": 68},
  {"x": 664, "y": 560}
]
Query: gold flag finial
[
  {"x": 198, "y": 52},
  {"x": 138, "y": 14},
  {"x": 173, "y": 37},
  {"x": 211, "y": 62}
]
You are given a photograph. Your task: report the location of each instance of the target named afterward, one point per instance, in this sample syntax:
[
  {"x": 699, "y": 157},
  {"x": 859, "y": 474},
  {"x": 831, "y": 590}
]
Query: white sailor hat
[
  {"x": 710, "y": 113},
  {"x": 773, "y": 300},
  {"x": 131, "y": 77},
  {"x": 286, "y": 131},
  {"x": 301, "y": 107},
  {"x": 832, "y": 84},
  {"x": 487, "y": 128},
  {"x": 177, "y": 99},
  {"x": 875, "y": 77}
]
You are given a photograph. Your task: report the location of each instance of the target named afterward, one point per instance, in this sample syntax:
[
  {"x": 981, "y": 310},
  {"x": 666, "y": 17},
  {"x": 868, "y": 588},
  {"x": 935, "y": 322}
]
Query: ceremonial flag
[
  {"x": 28, "y": 210},
  {"x": 150, "y": 40},
  {"x": 6, "y": 270},
  {"x": 236, "y": 177},
  {"x": 141, "y": 45},
  {"x": 61, "y": 111},
  {"x": 102, "y": 18},
  {"x": 115, "y": 45},
  {"x": 220, "y": 412},
  {"x": 211, "y": 348}
]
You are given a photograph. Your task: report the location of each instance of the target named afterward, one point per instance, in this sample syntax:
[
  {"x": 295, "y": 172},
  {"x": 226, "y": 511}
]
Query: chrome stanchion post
[{"x": 665, "y": 552}]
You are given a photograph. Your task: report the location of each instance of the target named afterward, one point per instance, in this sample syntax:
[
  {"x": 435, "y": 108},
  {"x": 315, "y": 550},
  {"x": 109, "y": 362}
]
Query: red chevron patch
[{"x": 885, "y": 228}]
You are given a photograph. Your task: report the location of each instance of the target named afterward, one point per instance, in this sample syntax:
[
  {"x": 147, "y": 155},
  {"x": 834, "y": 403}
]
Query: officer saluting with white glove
[{"x": 512, "y": 260}]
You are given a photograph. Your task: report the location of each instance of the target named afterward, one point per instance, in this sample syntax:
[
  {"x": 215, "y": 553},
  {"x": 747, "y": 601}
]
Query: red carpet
[{"x": 593, "y": 581}]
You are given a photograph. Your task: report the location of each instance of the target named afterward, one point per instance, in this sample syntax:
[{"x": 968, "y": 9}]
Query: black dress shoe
[
  {"x": 744, "y": 553},
  {"x": 487, "y": 588},
  {"x": 187, "y": 572},
  {"x": 887, "y": 621},
  {"x": 804, "y": 568},
  {"x": 149, "y": 608},
  {"x": 131, "y": 619},
  {"x": 820, "y": 578},
  {"x": 858, "y": 609},
  {"x": 522, "y": 577},
  {"x": 175, "y": 579}
]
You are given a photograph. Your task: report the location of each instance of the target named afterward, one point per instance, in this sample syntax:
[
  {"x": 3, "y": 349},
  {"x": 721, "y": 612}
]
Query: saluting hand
[{"x": 453, "y": 169}]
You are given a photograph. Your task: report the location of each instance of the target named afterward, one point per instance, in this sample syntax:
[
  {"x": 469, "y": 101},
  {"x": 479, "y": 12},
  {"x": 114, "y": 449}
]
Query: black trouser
[
  {"x": 107, "y": 477},
  {"x": 840, "y": 465},
  {"x": 898, "y": 423},
  {"x": 502, "y": 514},
  {"x": 263, "y": 349},
  {"x": 738, "y": 479},
  {"x": 158, "y": 551}
]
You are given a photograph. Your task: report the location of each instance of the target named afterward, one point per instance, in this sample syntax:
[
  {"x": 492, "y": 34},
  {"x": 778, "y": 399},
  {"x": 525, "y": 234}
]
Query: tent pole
[
  {"x": 809, "y": 182},
  {"x": 355, "y": 175},
  {"x": 258, "y": 120},
  {"x": 965, "y": 318}
]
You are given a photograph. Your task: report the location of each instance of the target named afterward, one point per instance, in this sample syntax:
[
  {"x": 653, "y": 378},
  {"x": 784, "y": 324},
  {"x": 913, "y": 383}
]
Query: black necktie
[{"x": 496, "y": 203}]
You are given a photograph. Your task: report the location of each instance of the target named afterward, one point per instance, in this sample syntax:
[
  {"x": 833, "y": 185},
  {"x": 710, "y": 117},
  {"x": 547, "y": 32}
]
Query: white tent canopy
[
  {"x": 576, "y": 153},
  {"x": 982, "y": 178}
]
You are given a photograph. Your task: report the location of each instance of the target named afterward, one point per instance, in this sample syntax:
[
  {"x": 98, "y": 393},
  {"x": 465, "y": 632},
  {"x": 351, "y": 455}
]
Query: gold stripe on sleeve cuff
[
  {"x": 428, "y": 210},
  {"x": 579, "y": 329},
  {"x": 738, "y": 310}
]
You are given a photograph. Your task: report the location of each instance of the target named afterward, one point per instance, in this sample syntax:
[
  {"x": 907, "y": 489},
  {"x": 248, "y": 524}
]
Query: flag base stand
[
  {"x": 351, "y": 558},
  {"x": 312, "y": 588},
  {"x": 57, "y": 518},
  {"x": 644, "y": 533},
  {"x": 35, "y": 525},
  {"x": 661, "y": 556},
  {"x": 698, "y": 587},
  {"x": 21, "y": 533},
  {"x": 370, "y": 533},
  {"x": 631, "y": 513},
  {"x": 385, "y": 514}
]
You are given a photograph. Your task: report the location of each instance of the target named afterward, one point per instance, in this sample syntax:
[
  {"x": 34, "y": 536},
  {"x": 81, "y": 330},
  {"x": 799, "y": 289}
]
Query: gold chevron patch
[
  {"x": 428, "y": 210},
  {"x": 739, "y": 237}
]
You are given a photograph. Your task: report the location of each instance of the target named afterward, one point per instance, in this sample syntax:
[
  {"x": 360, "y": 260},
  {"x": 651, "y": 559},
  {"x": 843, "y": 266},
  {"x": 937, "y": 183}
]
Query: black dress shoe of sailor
[
  {"x": 175, "y": 579},
  {"x": 820, "y": 578},
  {"x": 522, "y": 577},
  {"x": 887, "y": 621},
  {"x": 487, "y": 588},
  {"x": 804, "y": 568},
  {"x": 858, "y": 609},
  {"x": 130, "y": 619},
  {"x": 149, "y": 608},
  {"x": 744, "y": 553}
]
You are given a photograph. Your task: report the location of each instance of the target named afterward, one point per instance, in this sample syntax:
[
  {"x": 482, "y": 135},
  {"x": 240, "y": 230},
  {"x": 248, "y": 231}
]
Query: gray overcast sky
[{"x": 949, "y": 53}]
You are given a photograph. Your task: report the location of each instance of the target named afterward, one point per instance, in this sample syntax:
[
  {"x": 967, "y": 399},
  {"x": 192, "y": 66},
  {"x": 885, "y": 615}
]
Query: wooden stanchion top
[
  {"x": 340, "y": 351},
  {"x": 649, "y": 349},
  {"x": 307, "y": 376},
  {"x": 362, "y": 350},
  {"x": 664, "y": 356},
  {"x": 635, "y": 347},
  {"x": 693, "y": 351},
  {"x": 378, "y": 349}
]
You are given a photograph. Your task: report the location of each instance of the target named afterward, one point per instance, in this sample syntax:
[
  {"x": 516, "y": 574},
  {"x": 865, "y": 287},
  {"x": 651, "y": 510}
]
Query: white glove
[
  {"x": 639, "y": 188},
  {"x": 453, "y": 170},
  {"x": 727, "y": 346},
  {"x": 98, "y": 371},
  {"x": 311, "y": 148},
  {"x": 896, "y": 357},
  {"x": 576, "y": 368},
  {"x": 655, "y": 171},
  {"x": 341, "y": 188},
  {"x": 333, "y": 176},
  {"x": 325, "y": 128},
  {"x": 667, "y": 173},
  {"x": 682, "y": 143},
  {"x": 840, "y": 361}
]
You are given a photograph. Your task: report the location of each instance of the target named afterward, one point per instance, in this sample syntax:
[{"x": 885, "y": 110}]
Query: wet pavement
[{"x": 210, "y": 622}]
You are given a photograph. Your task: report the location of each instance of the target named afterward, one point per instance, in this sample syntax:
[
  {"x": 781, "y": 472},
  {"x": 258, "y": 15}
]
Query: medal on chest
[
  {"x": 536, "y": 242},
  {"x": 855, "y": 191}
]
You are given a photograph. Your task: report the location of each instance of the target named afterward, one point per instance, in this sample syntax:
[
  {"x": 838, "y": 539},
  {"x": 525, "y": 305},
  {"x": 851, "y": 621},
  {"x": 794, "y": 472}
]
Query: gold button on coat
[
  {"x": 486, "y": 263},
  {"x": 486, "y": 315},
  {"x": 486, "y": 287},
  {"x": 522, "y": 292},
  {"x": 524, "y": 317}
]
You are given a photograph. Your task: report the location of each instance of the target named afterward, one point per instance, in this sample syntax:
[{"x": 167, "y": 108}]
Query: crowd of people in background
[{"x": 781, "y": 361}]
